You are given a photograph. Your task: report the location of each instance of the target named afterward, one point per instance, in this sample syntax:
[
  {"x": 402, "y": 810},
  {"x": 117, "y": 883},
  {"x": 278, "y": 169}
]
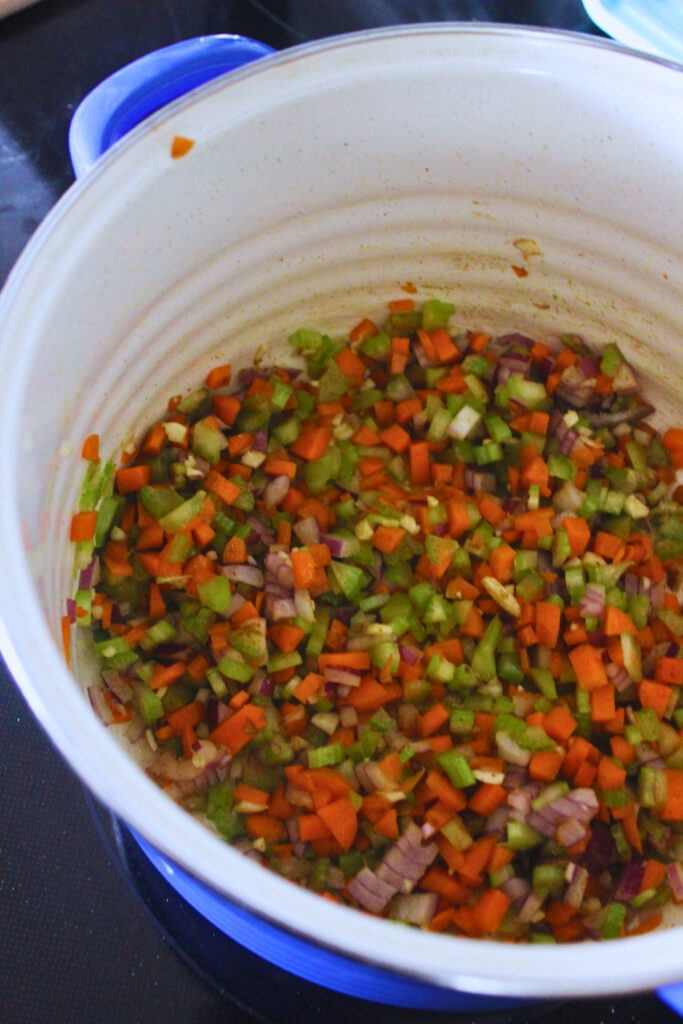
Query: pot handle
[
  {"x": 134, "y": 92},
  {"x": 672, "y": 995}
]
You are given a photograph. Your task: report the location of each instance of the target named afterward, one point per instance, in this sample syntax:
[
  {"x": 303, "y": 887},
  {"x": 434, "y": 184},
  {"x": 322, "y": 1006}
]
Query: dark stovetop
[{"x": 89, "y": 933}]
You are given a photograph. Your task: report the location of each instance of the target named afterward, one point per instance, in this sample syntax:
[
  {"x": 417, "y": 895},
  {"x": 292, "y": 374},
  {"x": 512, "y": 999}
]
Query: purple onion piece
[
  {"x": 307, "y": 530},
  {"x": 631, "y": 880},
  {"x": 97, "y": 693},
  {"x": 276, "y": 490},
  {"x": 248, "y": 574}
]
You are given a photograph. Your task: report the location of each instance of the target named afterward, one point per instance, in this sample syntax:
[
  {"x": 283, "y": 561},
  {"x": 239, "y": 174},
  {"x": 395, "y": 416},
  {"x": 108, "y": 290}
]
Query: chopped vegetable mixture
[{"x": 405, "y": 627}]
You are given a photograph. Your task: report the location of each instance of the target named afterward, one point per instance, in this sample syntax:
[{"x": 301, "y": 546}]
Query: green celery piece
[
  {"x": 319, "y": 472},
  {"x": 216, "y": 594},
  {"x": 254, "y": 414},
  {"x": 436, "y": 313},
  {"x": 462, "y": 721},
  {"x": 83, "y": 600},
  {"x": 147, "y": 702},
  {"x": 488, "y": 452},
  {"x": 535, "y": 738},
  {"x": 398, "y": 388},
  {"x": 498, "y": 429},
  {"x": 250, "y": 640},
  {"x": 386, "y": 651},
  {"x": 561, "y": 547},
  {"x": 548, "y": 879},
  {"x": 281, "y": 393},
  {"x": 349, "y": 578},
  {"x": 440, "y": 670},
  {"x": 280, "y": 661},
  {"x": 180, "y": 515},
  {"x": 531, "y": 394},
  {"x": 672, "y": 620},
  {"x": 561, "y": 467},
  {"x": 456, "y": 834},
  {"x": 405, "y": 322},
  {"x": 479, "y": 366},
  {"x": 464, "y": 678},
  {"x": 216, "y": 682},
  {"x": 483, "y": 660},
  {"x": 614, "y": 919},
  {"x": 115, "y": 653},
  {"x": 287, "y": 431},
  {"x": 545, "y": 682},
  {"x": 159, "y": 633},
  {"x": 179, "y": 548},
  {"x": 611, "y": 360},
  {"x": 160, "y": 501},
  {"x": 457, "y": 769},
  {"x": 321, "y": 757},
  {"x": 421, "y": 594},
  {"x": 377, "y": 347},
  {"x": 207, "y": 442},
  {"x": 233, "y": 669},
  {"x": 333, "y": 383},
  {"x": 98, "y": 479},
  {"x": 108, "y": 514},
  {"x": 510, "y": 669},
  {"x": 521, "y": 836},
  {"x": 193, "y": 403}
]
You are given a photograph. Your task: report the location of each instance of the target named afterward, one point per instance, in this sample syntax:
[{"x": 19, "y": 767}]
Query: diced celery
[{"x": 457, "y": 769}]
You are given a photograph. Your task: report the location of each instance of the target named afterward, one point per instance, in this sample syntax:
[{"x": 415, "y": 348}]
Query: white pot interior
[{"x": 319, "y": 183}]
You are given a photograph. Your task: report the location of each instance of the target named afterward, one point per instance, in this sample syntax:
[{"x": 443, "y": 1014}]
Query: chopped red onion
[
  {"x": 276, "y": 490},
  {"x": 631, "y": 880},
  {"x": 119, "y": 686},
  {"x": 307, "y": 530},
  {"x": 575, "y": 387},
  {"x": 90, "y": 576},
  {"x": 279, "y": 565},
  {"x": 335, "y": 544},
  {"x": 497, "y": 821},
  {"x": 517, "y": 889},
  {"x": 97, "y": 695},
  {"x": 578, "y": 880},
  {"x": 417, "y": 908},
  {"x": 260, "y": 441},
  {"x": 531, "y": 906},
  {"x": 618, "y": 675},
  {"x": 282, "y": 608},
  {"x": 600, "y": 852},
  {"x": 570, "y": 832},
  {"x": 343, "y": 676},
  {"x": 674, "y": 875},
  {"x": 420, "y": 354},
  {"x": 409, "y": 654},
  {"x": 511, "y": 751},
  {"x": 305, "y": 606},
  {"x": 480, "y": 481},
  {"x": 262, "y": 532},
  {"x": 248, "y": 574},
  {"x": 370, "y": 891},
  {"x": 71, "y": 609},
  {"x": 624, "y": 381},
  {"x": 592, "y": 603}
]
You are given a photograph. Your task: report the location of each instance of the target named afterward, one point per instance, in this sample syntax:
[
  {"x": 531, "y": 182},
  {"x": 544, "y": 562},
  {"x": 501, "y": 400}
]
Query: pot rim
[{"x": 481, "y": 966}]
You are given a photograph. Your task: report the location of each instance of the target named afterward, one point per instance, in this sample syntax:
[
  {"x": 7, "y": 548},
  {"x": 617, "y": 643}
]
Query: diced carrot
[
  {"x": 91, "y": 448},
  {"x": 654, "y": 695},
  {"x": 132, "y": 478},
  {"x": 548, "y": 619},
  {"x": 617, "y": 622},
  {"x": 603, "y": 707},
  {"x": 490, "y": 910},
  {"x": 545, "y": 765},
  {"x": 588, "y": 667}
]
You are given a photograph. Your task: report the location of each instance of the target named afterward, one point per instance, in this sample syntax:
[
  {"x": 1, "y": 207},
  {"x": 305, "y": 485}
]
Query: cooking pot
[{"x": 319, "y": 179}]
